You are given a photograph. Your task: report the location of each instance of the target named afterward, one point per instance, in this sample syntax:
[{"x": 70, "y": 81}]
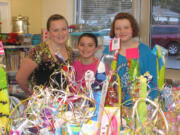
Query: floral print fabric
[{"x": 46, "y": 64}]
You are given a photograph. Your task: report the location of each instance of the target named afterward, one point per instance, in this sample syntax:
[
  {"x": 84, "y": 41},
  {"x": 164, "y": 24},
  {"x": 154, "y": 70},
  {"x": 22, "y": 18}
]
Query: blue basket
[{"x": 36, "y": 39}]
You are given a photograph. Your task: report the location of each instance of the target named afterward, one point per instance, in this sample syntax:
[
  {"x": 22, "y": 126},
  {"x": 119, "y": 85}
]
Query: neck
[
  {"x": 128, "y": 44},
  {"x": 87, "y": 61},
  {"x": 55, "y": 46},
  {"x": 58, "y": 48}
]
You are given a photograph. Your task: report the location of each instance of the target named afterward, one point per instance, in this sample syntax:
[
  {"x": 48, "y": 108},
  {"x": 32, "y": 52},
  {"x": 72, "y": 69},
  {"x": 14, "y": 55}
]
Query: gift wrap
[{"x": 4, "y": 99}]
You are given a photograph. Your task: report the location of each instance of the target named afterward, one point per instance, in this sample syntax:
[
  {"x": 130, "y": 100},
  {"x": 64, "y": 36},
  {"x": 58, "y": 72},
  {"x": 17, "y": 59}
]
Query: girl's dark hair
[
  {"x": 90, "y": 35},
  {"x": 55, "y": 17},
  {"x": 132, "y": 21}
]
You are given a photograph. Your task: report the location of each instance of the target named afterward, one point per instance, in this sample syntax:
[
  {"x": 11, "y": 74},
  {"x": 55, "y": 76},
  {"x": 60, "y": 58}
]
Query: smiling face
[
  {"x": 123, "y": 30},
  {"x": 58, "y": 32},
  {"x": 87, "y": 47}
]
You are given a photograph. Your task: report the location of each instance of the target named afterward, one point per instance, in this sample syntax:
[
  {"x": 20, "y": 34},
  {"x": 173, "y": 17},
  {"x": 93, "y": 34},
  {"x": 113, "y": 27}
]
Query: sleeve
[
  {"x": 106, "y": 50},
  {"x": 148, "y": 64},
  {"x": 34, "y": 54}
]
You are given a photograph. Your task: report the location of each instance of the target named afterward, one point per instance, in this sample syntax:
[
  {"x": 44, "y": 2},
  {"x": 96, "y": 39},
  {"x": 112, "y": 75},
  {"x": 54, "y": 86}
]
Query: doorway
[{"x": 5, "y": 17}]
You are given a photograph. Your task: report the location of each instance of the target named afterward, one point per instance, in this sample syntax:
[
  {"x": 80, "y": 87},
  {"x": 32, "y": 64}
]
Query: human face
[
  {"x": 123, "y": 30},
  {"x": 87, "y": 47},
  {"x": 58, "y": 32}
]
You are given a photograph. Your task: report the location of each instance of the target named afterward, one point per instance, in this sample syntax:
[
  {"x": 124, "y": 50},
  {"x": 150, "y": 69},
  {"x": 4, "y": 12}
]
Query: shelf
[
  {"x": 19, "y": 95},
  {"x": 12, "y": 73},
  {"x": 172, "y": 75},
  {"x": 17, "y": 46},
  {"x": 13, "y": 58}
]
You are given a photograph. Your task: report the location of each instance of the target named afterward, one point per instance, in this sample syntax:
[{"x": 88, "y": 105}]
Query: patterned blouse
[{"x": 46, "y": 64}]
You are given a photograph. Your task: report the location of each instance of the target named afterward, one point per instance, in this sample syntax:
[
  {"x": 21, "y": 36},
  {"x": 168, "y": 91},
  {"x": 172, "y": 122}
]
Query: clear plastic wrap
[{"x": 4, "y": 99}]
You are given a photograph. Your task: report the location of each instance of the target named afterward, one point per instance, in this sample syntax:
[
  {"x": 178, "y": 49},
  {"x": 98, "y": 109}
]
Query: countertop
[{"x": 173, "y": 76}]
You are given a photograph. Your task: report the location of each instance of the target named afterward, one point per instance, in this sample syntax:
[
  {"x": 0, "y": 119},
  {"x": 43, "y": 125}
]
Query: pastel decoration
[
  {"x": 161, "y": 53},
  {"x": 115, "y": 45},
  {"x": 100, "y": 77},
  {"x": 119, "y": 91},
  {"x": 73, "y": 129},
  {"x": 132, "y": 53},
  {"x": 113, "y": 65},
  {"x": 97, "y": 97},
  {"x": 1, "y": 48},
  {"x": 134, "y": 73},
  {"x": 4, "y": 101},
  {"x": 90, "y": 128},
  {"x": 13, "y": 132},
  {"x": 133, "y": 69},
  {"x": 142, "y": 107},
  {"x": 110, "y": 123}
]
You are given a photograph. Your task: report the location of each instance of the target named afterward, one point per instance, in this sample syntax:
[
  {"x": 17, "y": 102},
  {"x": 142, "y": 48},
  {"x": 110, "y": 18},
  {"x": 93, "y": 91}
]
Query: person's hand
[{"x": 28, "y": 92}]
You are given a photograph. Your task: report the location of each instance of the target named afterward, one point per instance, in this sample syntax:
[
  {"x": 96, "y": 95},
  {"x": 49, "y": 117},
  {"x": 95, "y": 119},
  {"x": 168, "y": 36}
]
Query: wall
[
  {"x": 63, "y": 7},
  {"x": 30, "y": 8},
  {"x": 38, "y": 11},
  {"x": 141, "y": 11},
  {"x": 4, "y": 0},
  {"x": 145, "y": 21}
]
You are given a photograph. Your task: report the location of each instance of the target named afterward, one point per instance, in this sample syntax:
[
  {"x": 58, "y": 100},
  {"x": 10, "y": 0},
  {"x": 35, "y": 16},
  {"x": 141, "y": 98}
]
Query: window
[
  {"x": 98, "y": 14},
  {"x": 166, "y": 29}
]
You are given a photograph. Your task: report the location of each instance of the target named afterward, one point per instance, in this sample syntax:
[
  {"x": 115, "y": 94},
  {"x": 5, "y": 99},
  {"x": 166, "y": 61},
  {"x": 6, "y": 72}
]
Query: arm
[
  {"x": 24, "y": 72},
  {"x": 148, "y": 63}
]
